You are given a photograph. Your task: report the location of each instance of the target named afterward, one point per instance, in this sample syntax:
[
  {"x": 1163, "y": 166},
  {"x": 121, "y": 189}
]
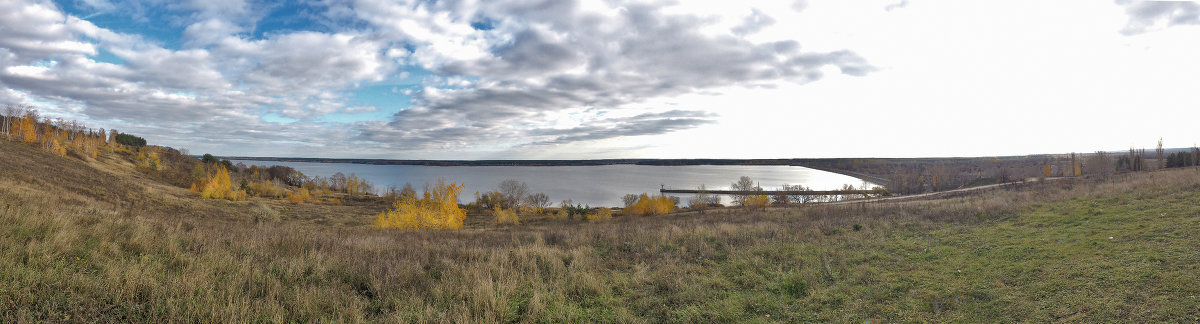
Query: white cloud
[{"x": 659, "y": 78}]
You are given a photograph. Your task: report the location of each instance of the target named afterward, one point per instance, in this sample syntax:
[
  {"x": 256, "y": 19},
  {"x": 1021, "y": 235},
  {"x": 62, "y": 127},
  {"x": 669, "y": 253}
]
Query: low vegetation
[
  {"x": 102, "y": 239},
  {"x": 437, "y": 210},
  {"x": 647, "y": 205}
]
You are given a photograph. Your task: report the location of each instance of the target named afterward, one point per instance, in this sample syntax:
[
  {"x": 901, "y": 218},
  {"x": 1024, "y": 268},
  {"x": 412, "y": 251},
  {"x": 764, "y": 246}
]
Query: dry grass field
[{"x": 97, "y": 241}]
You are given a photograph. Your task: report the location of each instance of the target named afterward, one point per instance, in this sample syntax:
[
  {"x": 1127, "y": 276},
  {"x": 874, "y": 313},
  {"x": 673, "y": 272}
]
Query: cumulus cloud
[
  {"x": 754, "y": 23},
  {"x": 500, "y": 73},
  {"x": 897, "y": 5},
  {"x": 550, "y": 56},
  {"x": 1147, "y": 16},
  {"x": 644, "y": 124}
]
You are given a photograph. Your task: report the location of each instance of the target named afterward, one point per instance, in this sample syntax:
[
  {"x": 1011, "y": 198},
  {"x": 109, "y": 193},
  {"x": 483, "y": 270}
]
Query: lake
[{"x": 590, "y": 185}]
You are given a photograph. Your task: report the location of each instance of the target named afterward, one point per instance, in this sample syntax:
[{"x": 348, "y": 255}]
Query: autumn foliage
[
  {"x": 600, "y": 215},
  {"x": 438, "y": 209},
  {"x": 505, "y": 216},
  {"x": 301, "y": 195},
  {"x": 219, "y": 186},
  {"x": 647, "y": 205},
  {"x": 757, "y": 201}
]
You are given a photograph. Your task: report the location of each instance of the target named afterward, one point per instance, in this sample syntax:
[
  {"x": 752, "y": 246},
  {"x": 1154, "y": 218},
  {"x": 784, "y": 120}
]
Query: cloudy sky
[{"x": 564, "y": 79}]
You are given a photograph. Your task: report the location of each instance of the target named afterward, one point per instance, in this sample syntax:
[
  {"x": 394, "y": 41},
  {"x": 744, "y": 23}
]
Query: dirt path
[{"x": 939, "y": 193}]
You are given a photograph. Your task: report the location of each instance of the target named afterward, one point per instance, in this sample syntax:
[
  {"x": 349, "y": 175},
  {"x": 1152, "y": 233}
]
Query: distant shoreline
[
  {"x": 806, "y": 163},
  {"x": 648, "y": 162}
]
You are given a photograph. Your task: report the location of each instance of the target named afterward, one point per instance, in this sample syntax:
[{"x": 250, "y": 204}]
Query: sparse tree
[
  {"x": 702, "y": 200},
  {"x": 514, "y": 193},
  {"x": 337, "y": 182},
  {"x": 11, "y": 112},
  {"x": 629, "y": 200},
  {"x": 1159, "y": 153},
  {"x": 1100, "y": 165},
  {"x": 1195, "y": 155},
  {"x": 743, "y": 184},
  {"x": 538, "y": 201}
]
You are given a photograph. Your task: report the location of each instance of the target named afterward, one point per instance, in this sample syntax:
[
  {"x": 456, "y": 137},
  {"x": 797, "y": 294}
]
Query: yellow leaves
[
  {"x": 266, "y": 188},
  {"x": 505, "y": 216},
  {"x": 148, "y": 157},
  {"x": 561, "y": 214},
  {"x": 219, "y": 186},
  {"x": 356, "y": 186},
  {"x": 600, "y": 215},
  {"x": 299, "y": 196},
  {"x": 437, "y": 210},
  {"x": 56, "y": 148},
  {"x": 27, "y": 126},
  {"x": 757, "y": 201},
  {"x": 647, "y": 205}
]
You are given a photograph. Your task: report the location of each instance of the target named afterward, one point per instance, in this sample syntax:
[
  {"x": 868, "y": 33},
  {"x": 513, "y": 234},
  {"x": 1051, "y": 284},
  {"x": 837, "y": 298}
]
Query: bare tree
[
  {"x": 1159, "y": 153},
  {"x": 1195, "y": 155},
  {"x": 337, "y": 182},
  {"x": 629, "y": 199},
  {"x": 514, "y": 193},
  {"x": 538, "y": 200},
  {"x": 799, "y": 199},
  {"x": 1100, "y": 165},
  {"x": 702, "y": 200},
  {"x": 743, "y": 184},
  {"x": 10, "y": 112},
  {"x": 781, "y": 198}
]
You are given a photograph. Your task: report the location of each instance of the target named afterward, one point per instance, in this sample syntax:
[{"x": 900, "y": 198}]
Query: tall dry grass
[{"x": 74, "y": 252}]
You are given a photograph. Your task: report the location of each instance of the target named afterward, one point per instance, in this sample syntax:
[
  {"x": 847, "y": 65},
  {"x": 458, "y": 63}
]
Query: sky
[{"x": 575, "y": 79}]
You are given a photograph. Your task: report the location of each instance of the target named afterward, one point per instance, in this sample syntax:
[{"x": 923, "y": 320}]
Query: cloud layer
[
  {"x": 1146, "y": 16},
  {"x": 484, "y": 75}
]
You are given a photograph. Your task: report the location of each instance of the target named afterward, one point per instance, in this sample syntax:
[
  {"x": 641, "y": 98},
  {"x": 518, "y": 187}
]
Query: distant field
[{"x": 98, "y": 241}]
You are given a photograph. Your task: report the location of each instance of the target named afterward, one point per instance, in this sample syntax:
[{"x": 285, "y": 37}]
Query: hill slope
[{"x": 99, "y": 241}]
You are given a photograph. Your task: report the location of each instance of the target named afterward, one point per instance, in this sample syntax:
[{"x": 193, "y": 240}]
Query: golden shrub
[
  {"x": 219, "y": 186},
  {"x": 437, "y": 210},
  {"x": 561, "y": 214},
  {"x": 757, "y": 201},
  {"x": 299, "y": 196},
  {"x": 646, "y": 205},
  {"x": 600, "y": 215},
  {"x": 57, "y": 149},
  {"x": 505, "y": 216},
  {"x": 149, "y": 157},
  {"x": 266, "y": 188}
]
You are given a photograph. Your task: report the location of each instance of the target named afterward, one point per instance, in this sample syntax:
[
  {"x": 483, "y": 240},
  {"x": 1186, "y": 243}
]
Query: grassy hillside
[{"x": 86, "y": 241}]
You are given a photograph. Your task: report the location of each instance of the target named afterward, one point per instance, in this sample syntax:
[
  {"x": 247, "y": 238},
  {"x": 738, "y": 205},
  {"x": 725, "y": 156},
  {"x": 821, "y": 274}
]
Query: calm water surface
[{"x": 591, "y": 185}]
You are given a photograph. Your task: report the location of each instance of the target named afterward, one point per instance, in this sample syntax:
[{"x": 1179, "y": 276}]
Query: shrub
[
  {"x": 266, "y": 188},
  {"x": 148, "y": 157},
  {"x": 561, "y": 214},
  {"x": 437, "y": 210},
  {"x": 647, "y": 205},
  {"x": 703, "y": 200},
  {"x": 209, "y": 158},
  {"x": 299, "y": 196},
  {"x": 574, "y": 210},
  {"x": 130, "y": 140},
  {"x": 264, "y": 213},
  {"x": 505, "y": 216},
  {"x": 218, "y": 186},
  {"x": 600, "y": 215},
  {"x": 757, "y": 201}
]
